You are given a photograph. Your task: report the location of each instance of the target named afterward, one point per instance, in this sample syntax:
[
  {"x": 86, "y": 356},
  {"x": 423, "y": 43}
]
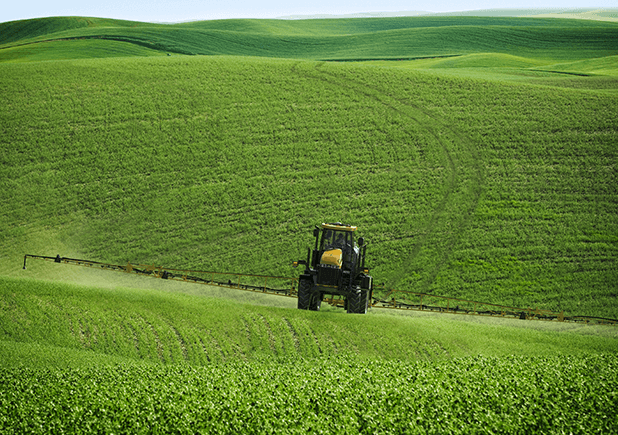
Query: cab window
[{"x": 332, "y": 239}]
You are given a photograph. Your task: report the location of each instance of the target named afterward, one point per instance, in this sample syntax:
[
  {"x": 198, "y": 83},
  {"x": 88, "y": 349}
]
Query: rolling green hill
[
  {"x": 481, "y": 165},
  {"x": 607, "y": 66},
  {"x": 465, "y": 188},
  {"x": 16, "y": 31},
  {"x": 345, "y": 39}
]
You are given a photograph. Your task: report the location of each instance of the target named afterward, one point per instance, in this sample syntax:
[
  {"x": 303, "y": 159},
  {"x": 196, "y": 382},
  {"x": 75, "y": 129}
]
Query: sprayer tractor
[{"x": 335, "y": 267}]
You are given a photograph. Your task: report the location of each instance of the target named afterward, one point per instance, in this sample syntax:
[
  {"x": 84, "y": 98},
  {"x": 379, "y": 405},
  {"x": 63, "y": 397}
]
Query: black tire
[
  {"x": 358, "y": 301},
  {"x": 364, "y": 300},
  {"x": 304, "y": 293},
  {"x": 316, "y": 302}
]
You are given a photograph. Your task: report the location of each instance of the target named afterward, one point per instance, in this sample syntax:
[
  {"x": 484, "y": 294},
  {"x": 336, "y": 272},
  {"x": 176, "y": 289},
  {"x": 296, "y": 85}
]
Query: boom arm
[{"x": 382, "y": 297}]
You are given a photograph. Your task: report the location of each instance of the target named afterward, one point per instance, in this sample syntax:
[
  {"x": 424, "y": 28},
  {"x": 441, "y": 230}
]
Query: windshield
[{"x": 332, "y": 239}]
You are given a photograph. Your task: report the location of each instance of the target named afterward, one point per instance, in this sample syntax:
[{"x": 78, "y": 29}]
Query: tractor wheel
[
  {"x": 357, "y": 301},
  {"x": 304, "y": 293},
  {"x": 316, "y": 302}
]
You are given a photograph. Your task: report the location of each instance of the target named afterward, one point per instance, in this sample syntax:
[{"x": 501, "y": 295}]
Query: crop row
[
  {"x": 41, "y": 320},
  {"x": 343, "y": 395}
]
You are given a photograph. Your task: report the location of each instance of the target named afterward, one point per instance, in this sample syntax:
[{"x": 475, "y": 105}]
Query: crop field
[
  {"x": 499, "y": 193},
  {"x": 84, "y": 359},
  {"x": 173, "y": 327},
  {"x": 482, "y": 167},
  {"x": 475, "y": 394},
  {"x": 548, "y": 40}
]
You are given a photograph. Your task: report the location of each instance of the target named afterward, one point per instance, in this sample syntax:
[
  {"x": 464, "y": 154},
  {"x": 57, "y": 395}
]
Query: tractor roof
[{"x": 338, "y": 226}]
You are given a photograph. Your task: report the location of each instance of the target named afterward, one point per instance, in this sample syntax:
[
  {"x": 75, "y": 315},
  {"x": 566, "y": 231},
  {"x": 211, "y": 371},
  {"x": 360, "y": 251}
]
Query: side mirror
[
  {"x": 361, "y": 241},
  {"x": 316, "y": 232}
]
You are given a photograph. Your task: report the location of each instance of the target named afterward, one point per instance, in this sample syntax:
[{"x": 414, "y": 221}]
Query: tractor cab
[{"x": 337, "y": 246}]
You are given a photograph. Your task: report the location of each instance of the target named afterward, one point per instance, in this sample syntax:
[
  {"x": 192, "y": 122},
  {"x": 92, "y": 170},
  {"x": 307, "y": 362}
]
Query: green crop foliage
[
  {"x": 44, "y": 324},
  {"x": 481, "y": 395}
]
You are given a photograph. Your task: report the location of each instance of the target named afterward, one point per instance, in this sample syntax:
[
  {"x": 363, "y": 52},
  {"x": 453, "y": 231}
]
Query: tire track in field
[{"x": 465, "y": 179}]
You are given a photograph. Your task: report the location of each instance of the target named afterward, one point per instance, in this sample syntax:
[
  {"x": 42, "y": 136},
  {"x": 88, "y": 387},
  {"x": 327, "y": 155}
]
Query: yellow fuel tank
[{"x": 334, "y": 257}]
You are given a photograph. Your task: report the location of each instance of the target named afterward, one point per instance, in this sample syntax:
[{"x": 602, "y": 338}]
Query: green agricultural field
[
  {"x": 551, "y": 40},
  {"x": 169, "y": 327},
  {"x": 466, "y": 188},
  {"x": 477, "y": 155},
  {"x": 481, "y": 395},
  {"x": 76, "y": 358}
]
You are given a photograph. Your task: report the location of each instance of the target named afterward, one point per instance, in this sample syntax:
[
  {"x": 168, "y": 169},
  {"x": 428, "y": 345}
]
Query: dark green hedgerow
[{"x": 341, "y": 395}]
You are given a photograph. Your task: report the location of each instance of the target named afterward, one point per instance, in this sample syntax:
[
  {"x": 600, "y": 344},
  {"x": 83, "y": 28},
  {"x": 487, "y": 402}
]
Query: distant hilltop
[
  {"x": 602, "y": 14},
  {"x": 357, "y": 15}
]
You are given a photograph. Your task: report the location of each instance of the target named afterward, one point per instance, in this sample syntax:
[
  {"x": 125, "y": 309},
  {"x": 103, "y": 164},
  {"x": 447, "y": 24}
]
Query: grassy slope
[
  {"x": 487, "y": 198},
  {"x": 209, "y": 163},
  {"x": 51, "y": 324},
  {"x": 600, "y": 74},
  {"x": 604, "y": 14},
  {"x": 607, "y": 66},
  {"x": 330, "y": 39},
  {"x": 78, "y": 49},
  {"x": 17, "y": 31}
]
